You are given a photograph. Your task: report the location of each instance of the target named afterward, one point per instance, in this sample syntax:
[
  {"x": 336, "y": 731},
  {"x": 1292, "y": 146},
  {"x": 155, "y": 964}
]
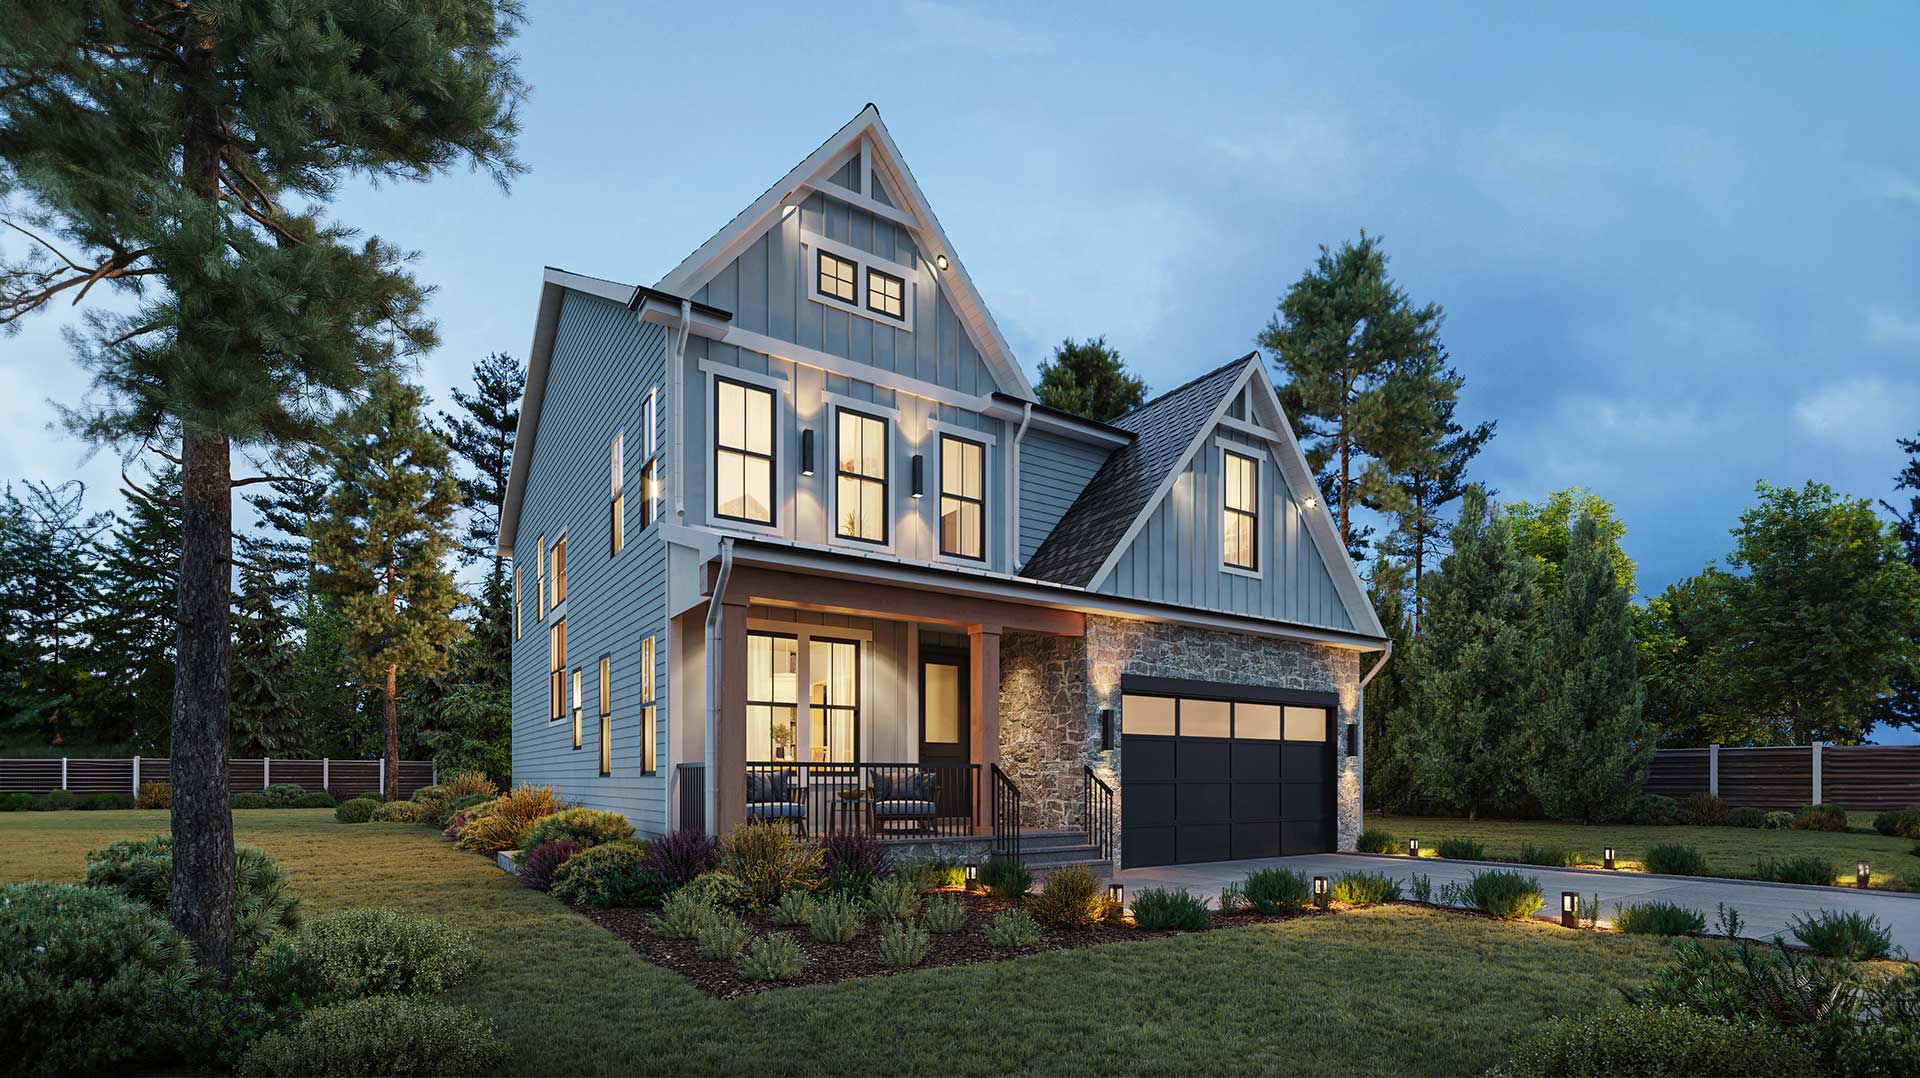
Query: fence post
[
  {"x": 1816, "y": 772},
  {"x": 63, "y": 772},
  {"x": 266, "y": 772},
  {"x": 383, "y": 776},
  {"x": 136, "y": 776},
  {"x": 326, "y": 779},
  {"x": 1713, "y": 769}
]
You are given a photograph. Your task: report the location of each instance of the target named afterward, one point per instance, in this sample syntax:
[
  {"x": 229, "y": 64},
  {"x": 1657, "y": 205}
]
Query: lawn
[
  {"x": 1730, "y": 851},
  {"x": 1391, "y": 989}
]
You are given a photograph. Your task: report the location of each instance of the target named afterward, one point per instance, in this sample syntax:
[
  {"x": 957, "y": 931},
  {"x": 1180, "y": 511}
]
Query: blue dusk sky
[{"x": 1676, "y": 244}]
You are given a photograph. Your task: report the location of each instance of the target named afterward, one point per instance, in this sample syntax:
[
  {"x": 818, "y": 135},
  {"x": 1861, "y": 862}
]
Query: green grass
[
  {"x": 1436, "y": 993},
  {"x": 1730, "y": 851}
]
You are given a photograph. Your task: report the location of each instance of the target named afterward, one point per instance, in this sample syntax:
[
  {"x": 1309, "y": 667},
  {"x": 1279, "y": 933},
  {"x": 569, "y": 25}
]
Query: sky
[{"x": 1676, "y": 244}]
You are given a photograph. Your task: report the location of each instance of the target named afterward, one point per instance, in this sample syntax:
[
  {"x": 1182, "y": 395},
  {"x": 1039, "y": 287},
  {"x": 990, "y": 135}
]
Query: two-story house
[{"x": 792, "y": 539}]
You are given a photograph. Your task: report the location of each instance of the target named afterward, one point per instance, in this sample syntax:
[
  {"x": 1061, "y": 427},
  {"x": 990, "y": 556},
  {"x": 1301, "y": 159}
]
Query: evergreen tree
[
  {"x": 184, "y": 155},
  {"x": 133, "y": 627},
  {"x": 1391, "y": 783},
  {"x": 281, "y": 548},
  {"x": 1089, "y": 379},
  {"x": 1590, "y": 745},
  {"x": 1472, "y": 665},
  {"x": 325, "y": 692},
  {"x": 482, "y": 437},
  {"x": 266, "y": 712},
  {"x": 381, "y": 547},
  {"x": 1363, "y": 379},
  {"x": 1428, "y": 483},
  {"x": 50, "y": 587}
]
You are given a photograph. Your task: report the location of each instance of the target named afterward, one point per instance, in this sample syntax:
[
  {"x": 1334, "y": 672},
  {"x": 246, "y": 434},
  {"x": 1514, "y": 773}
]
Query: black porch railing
[
  {"x": 1006, "y": 815},
  {"x": 889, "y": 800},
  {"x": 1097, "y": 809}
]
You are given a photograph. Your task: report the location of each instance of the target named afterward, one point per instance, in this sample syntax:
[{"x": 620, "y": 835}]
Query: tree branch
[
  {"x": 157, "y": 499},
  {"x": 252, "y": 479}
]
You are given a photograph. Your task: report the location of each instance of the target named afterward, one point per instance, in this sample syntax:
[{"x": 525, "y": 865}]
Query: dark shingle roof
[{"x": 1163, "y": 427}]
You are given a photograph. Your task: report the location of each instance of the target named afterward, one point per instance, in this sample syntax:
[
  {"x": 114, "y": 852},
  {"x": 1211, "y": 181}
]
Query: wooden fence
[
  {"x": 341, "y": 778},
  {"x": 1862, "y": 778}
]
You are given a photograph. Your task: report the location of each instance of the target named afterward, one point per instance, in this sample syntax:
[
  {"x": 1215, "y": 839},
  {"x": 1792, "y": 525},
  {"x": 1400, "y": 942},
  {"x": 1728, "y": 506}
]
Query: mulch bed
[{"x": 831, "y": 962}]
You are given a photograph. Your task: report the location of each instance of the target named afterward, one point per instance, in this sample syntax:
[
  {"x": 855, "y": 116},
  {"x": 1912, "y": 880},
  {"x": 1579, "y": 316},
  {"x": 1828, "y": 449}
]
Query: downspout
[
  {"x": 1360, "y": 739},
  {"x": 1013, "y": 497},
  {"x": 711, "y": 778},
  {"x": 677, "y": 469}
]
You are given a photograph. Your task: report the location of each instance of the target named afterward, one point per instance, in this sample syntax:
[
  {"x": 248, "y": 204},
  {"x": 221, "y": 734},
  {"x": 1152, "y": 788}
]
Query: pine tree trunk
[
  {"x": 201, "y": 899},
  {"x": 393, "y": 733}
]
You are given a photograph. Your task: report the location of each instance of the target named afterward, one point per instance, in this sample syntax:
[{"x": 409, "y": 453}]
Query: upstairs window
[
  {"x": 1240, "y": 522},
  {"x": 837, "y": 276},
  {"x": 886, "y": 294},
  {"x": 963, "y": 499},
  {"x": 540, "y": 579},
  {"x": 576, "y": 707},
  {"x": 743, "y": 452},
  {"x": 650, "y": 455},
  {"x": 557, "y": 671},
  {"x": 559, "y": 571},
  {"x": 647, "y": 701},
  {"x": 860, "y": 497},
  {"x": 516, "y": 600},
  {"x": 617, "y": 510}
]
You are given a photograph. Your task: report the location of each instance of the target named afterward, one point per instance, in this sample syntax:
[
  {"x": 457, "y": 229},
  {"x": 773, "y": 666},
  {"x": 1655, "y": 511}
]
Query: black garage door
[{"x": 1215, "y": 772}]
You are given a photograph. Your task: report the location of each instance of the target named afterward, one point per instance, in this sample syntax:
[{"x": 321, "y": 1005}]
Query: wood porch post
[
  {"x": 730, "y": 735},
  {"x": 984, "y": 646}
]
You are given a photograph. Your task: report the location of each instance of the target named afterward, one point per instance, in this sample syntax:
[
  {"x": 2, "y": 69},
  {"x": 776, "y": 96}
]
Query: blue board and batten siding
[
  {"x": 1053, "y": 471},
  {"x": 1176, "y": 557},
  {"x": 603, "y": 364}
]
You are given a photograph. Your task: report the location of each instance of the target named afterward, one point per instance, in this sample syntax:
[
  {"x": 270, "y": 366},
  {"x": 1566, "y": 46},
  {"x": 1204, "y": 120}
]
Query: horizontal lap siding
[{"x": 1053, "y": 472}]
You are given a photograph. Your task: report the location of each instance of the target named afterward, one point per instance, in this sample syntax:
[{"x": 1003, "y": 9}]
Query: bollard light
[
  {"x": 1570, "y": 909},
  {"x": 1321, "y": 896},
  {"x": 1117, "y": 894},
  {"x": 973, "y": 877},
  {"x": 1607, "y": 859},
  {"x": 1413, "y": 847},
  {"x": 1865, "y": 873}
]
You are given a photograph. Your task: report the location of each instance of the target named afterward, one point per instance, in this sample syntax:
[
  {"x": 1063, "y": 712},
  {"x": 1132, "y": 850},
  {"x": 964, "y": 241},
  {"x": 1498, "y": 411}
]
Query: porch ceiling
[{"x": 866, "y": 598}]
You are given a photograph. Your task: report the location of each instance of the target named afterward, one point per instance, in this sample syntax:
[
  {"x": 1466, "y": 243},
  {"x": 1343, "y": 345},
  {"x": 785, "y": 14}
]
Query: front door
[{"x": 946, "y": 725}]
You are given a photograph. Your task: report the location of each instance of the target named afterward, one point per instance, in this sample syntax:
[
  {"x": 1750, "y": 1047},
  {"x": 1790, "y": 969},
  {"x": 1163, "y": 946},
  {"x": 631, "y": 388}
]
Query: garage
[{"x": 1213, "y": 772}]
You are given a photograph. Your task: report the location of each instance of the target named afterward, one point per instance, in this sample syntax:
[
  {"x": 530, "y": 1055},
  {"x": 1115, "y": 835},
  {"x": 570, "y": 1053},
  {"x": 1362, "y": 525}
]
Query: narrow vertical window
[
  {"x": 516, "y": 600},
  {"x": 606, "y": 715},
  {"x": 837, "y": 276},
  {"x": 646, "y": 707},
  {"x": 773, "y": 697},
  {"x": 617, "y": 508},
  {"x": 743, "y": 452},
  {"x": 1240, "y": 523},
  {"x": 556, "y": 670},
  {"x": 963, "y": 498},
  {"x": 559, "y": 571},
  {"x": 650, "y": 460},
  {"x": 833, "y": 701},
  {"x": 540, "y": 579},
  {"x": 576, "y": 707},
  {"x": 860, "y": 498},
  {"x": 886, "y": 294}
]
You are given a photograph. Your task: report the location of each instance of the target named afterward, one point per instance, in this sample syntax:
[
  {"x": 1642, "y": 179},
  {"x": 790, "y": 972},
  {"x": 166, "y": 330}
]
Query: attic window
[
  {"x": 1240, "y": 523},
  {"x": 886, "y": 294},
  {"x": 837, "y": 276}
]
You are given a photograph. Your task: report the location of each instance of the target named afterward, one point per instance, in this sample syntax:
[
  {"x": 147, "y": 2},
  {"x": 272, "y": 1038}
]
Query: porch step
[{"x": 1059, "y": 856}]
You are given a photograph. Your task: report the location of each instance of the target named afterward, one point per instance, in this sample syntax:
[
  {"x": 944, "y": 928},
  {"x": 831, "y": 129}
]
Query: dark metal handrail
[
  {"x": 890, "y": 800},
  {"x": 1097, "y": 810},
  {"x": 1006, "y": 815}
]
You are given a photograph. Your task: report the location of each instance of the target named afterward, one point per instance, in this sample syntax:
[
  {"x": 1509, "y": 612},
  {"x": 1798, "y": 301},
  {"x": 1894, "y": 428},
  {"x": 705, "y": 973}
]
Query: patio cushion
[
  {"x": 904, "y": 808},
  {"x": 896, "y": 785},
  {"x": 776, "y": 810},
  {"x": 767, "y": 786}
]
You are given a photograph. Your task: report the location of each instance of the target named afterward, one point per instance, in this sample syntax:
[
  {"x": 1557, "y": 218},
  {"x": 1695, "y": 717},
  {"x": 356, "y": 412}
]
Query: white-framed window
[
  {"x": 838, "y": 277},
  {"x": 606, "y": 715},
  {"x": 650, "y": 459},
  {"x": 860, "y": 282},
  {"x": 886, "y": 294},
  {"x": 557, "y": 670},
  {"x": 647, "y": 703},
  {"x": 963, "y": 497},
  {"x": 1240, "y": 511},
  {"x": 860, "y": 477},
  {"x": 617, "y": 507},
  {"x": 743, "y": 452},
  {"x": 516, "y": 600},
  {"x": 559, "y": 572},
  {"x": 540, "y": 579},
  {"x": 576, "y": 708}
]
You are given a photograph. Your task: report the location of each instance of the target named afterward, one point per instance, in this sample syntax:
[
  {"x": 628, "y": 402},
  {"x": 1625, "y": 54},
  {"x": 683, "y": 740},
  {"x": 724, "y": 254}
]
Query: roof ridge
[{"x": 1186, "y": 385}]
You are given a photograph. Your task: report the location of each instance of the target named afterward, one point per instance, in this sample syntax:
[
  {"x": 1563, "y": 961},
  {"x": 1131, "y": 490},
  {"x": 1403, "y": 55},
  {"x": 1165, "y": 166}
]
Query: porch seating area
[{"x": 891, "y": 800}]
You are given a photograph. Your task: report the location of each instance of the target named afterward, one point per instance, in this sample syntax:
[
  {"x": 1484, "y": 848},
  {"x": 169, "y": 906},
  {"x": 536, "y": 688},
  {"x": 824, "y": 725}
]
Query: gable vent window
[
  {"x": 1240, "y": 523},
  {"x": 837, "y": 276},
  {"x": 886, "y": 294},
  {"x": 963, "y": 499},
  {"x": 860, "y": 496},
  {"x": 743, "y": 452}
]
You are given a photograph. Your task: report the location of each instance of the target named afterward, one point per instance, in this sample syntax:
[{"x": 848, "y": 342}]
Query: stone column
[
  {"x": 729, "y": 780},
  {"x": 984, "y": 646}
]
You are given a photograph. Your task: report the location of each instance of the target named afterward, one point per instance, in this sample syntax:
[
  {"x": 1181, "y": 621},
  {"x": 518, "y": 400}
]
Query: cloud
[
  {"x": 1862, "y": 415},
  {"x": 950, "y": 24},
  {"x": 1886, "y": 183},
  {"x": 1887, "y": 327}
]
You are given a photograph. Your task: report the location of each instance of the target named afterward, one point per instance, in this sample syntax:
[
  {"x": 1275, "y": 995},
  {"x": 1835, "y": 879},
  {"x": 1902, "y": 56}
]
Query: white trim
[
  {"x": 936, "y": 431},
  {"x": 803, "y": 634},
  {"x": 811, "y": 357},
  {"x": 803, "y": 630},
  {"x": 935, "y": 428},
  {"x": 1256, "y": 430},
  {"x": 811, "y": 243},
  {"x": 891, "y": 420},
  {"x": 841, "y": 400},
  {"x": 810, "y": 238},
  {"x": 1242, "y": 448},
  {"x": 779, "y": 383},
  {"x": 782, "y": 402},
  {"x": 1263, "y": 517}
]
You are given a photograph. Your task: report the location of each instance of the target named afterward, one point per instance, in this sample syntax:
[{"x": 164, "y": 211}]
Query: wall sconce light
[
  {"x": 806, "y": 451},
  {"x": 1570, "y": 909},
  {"x": 973, "y": 877},
  {"x": 1117, "y": 894},
  {"x": 1413, "y": 847},
  {"x": 1311, "y": 502},
  {"x": 1606, "y": 859},
  {"x": 1864, "y": 873},
  {"x": 1353, "y": 739},
  {"x": 940, "y": 261},
  {"x": 1321, "y": 896},
  {"x": 1106, "y": 728},
  {"x": 919, "y": 475}
]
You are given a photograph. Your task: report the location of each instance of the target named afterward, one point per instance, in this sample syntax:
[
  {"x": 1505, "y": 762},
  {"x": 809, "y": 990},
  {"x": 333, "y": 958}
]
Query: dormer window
[
  {"x": 886, "y": 294},
  {"x": 1240, "y": 521},
  {"x": 837, "y": 277}
]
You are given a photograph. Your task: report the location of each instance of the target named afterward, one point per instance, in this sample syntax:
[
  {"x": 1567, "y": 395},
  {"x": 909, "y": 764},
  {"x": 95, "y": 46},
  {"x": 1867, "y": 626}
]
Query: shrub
[
  {"x": 1014, "y": 928},
  {"x": 1233, "y": 897},
  {"x": 143, "y": 871},
  {"x": 1071, "y": 897},
  {"x": 1461, "y": 849},
  {"x": 608, "y": 875},
  {"x": 356, "y": 810},
  {"x": 469, "y": 784},
  {"x": 1365, "y": 888},
  {"x": 794, "y": 908},
  {"x": 397, "y": 812},
  {"x": 931, "y": 874},
  {"x": 251, "y": 800},
  {"x": 773, "y": 957},
  {"x": 1513, "y": 896},
  {"x": 1004, "y": 877},
  {"x": 852, "y": 860},
  {"x": 584, "y": 826},
  {"x": 1779, "y": 820},
  {"x": 1654, "y": 809},
  {"x": 1820, "y": 818},
  {"x": 895, "y": 897},
  {"x": 1420, "y": 886},
  {"x": 535, "y": 867},
  {"x": 381, "y": 1035},
  {"x": 376, "y": 950},
  {"x": 1550, "y": 856},
  {"x": 680, "y": 856},
  {"x": 945, "y": 914},
  {"x": 90, "y": 980},
  {"x": 1278, "y": 890},
  {"x": 904, "y": 944},
  {"x": 1675, "y": 860},
  {"x": 318, "y": 799},
  {"x": 722, "y": 937},
  {"x": 1703, "y": 810},
  {"x": 59, "y": 799},
  {"x": 97, "y": 802},
  {"x": 428, "y": 794},
  {"x": 1898, "y": 823},
  {"x": 1158, "y": 910},
  {"x": 1856, "y": 936},
  {"x": 770, "y": 860},
  {"x": 1806, "y": 868},
  {"x": 1659, "y": 919},
  {"x": 444, "y": 818},
  {"x": 16, "y": 803},
  {"x": 721, "y": 890},
  {"x": 1375, "y": 840},
  {"x": 1747, "y": 817},
  {"x": 283, "y": 794},
  {"x": 150, "y": 795},
  {"x": 681, "y": 915},
  {"x": 503, "y": 825},
  {"x": 836, "y": 918},
  {"x": 1656, "y": 1041}
]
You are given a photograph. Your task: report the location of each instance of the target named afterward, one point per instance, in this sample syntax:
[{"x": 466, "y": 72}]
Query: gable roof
[{"x": 902, "y": 203}]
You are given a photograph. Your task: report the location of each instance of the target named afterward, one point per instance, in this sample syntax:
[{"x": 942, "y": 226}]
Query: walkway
[{"x": 1765, "y": 908}]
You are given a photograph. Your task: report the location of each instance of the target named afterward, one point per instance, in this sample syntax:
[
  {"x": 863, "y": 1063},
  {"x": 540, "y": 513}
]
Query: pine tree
[
  {"x": 266, "y": 713},
  {"x": 1390, "y": 778},
  {"x": 184, "y": 155},
  {"x": 1428, "y": 484},
  {"x": 51, "y": 587},
  {"x": 482, "y": 437},
  {"x": 1590, "y": 743},
  {"x": 281, "y": 547},
  {"x": 1472, "y": 665},
  {"x": 133, "y": 627},
  {"x": 1362, "y": 377},
  {"x": 382, "y": 545},
  {"x": 1089, "y": 379}
]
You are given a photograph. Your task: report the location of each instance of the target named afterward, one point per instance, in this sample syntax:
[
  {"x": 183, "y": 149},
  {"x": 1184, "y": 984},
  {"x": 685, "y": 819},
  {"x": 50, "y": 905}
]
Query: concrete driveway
[{"x": 1765, "y": 908}]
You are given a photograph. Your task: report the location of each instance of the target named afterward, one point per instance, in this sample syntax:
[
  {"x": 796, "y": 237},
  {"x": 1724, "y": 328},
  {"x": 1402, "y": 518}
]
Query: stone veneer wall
[
  {"x": 1043, "y": 725},
  {"x": 1117, "y": 646}
]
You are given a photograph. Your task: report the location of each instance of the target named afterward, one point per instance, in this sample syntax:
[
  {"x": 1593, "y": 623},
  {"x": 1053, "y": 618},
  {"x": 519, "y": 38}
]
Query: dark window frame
[
  {"x": 981, "y": 501},
  {"x": 885, "y": 479},
  {"x": 797, "y": 703},
  {"x": 881, "y": 311},
  {"x": 819, "y": 276},
  {"x": 1253, "y": 514},
  {"x": 772, "y": 457},
  {"x": 858, "y": 697}
]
